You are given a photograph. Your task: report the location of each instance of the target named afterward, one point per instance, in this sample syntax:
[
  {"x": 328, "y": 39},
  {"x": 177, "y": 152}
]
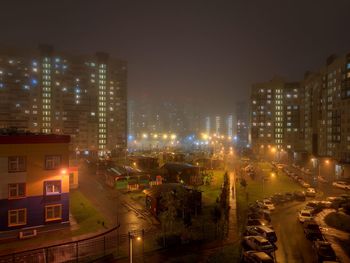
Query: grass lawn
[
  {"x": 86, "y": 215},
  {"x": 212, "y": 191},
  {"x": 274, "y": 183},
  {"x": 339, "y": 221}
]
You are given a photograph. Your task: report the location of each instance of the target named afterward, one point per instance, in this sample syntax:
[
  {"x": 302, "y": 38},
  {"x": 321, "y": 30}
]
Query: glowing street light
[
  {"x": 173, "y": 136},
  {"x": 138, "y": 238}
]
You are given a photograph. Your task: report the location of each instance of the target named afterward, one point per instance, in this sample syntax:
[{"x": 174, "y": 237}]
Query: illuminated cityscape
[
  {"x": 174, "y": 131},
  {"x": 48, "y": 91}
]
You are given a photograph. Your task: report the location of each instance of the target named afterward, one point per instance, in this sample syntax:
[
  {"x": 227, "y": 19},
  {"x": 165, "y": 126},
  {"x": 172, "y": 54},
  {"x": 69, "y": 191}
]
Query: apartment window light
[
  {"x": 53, "y": 212},
  {"x": 52, "y": 187},
  {"x": 17, "y": 217}
]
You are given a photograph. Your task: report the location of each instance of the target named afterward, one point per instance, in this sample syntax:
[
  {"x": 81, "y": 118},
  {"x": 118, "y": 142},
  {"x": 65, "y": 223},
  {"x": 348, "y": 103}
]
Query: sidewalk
[{"x": 333, "y": 235}]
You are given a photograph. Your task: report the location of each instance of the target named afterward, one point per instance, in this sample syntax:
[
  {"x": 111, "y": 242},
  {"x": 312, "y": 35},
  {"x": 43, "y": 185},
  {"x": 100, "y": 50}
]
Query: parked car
[
  {"x": 289, "y": 196},
  {"x": 258, "y": 243},
  {"x": 311, "y": 192},
  {"x": 268, "y": 204},
  {"x": 321, "y": 179},
  {"x": 304, "y": 215},
  {"x": 256, "y": 257},
  {"x": 263, "y": 231},
  {"x": 311, "y": 205},
  {"x": 305, "y": 184},
  {"x": 326, "y": 204},
  {"x": 342, "y": 185},
  {"x": 258, "y": 222},
  {"x": 314, "y": 207},
  {"x": 278, "y": 199},
  {"x": 312, "y": 231},
  {"x": 324, "y": 251},
  {"x": 345, "y": 197},
  {"x": 259, "y": 215},
  {"x": 262, "y": 206},
  {"x": 299, "y": 196}
]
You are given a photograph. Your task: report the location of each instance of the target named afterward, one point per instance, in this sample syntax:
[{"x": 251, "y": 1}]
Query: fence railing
[{"x": 84, "y": 250}]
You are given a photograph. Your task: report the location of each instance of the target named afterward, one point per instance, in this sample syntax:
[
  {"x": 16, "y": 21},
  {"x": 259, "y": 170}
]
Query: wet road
[
  {"x": 292, "y": 244},
  {"x": 114, "y": 205}
]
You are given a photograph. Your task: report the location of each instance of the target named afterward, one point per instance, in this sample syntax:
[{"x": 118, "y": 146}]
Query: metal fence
[{"x": 84, "y": 250}]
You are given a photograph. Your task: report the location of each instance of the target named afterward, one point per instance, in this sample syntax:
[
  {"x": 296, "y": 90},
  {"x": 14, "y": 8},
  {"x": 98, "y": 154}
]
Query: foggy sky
[{"x": 204, "y": 52}]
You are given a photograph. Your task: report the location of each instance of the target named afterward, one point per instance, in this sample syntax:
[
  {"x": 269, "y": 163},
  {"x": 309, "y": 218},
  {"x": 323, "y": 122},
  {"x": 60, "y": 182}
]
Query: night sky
[{"x": 204, "y": 52}]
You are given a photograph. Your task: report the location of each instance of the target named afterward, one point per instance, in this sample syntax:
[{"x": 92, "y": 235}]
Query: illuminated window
[
  {"x": 17, "y": 217},
  {"x": 16, "y": 164},
  {"x": 52, "y": 162},
  {"x": 16, "y": 190},
  {"x": 53, "y": 212},
  {"x": 52, "y": 187}
]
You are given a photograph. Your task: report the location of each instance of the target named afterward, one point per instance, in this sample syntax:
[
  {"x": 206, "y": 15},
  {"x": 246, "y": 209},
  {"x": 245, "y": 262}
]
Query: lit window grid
[
  {"x": 46, "y": 95},
  {"x": 102, "y": 109}
]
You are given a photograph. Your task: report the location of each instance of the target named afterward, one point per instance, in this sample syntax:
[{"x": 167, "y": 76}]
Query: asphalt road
[{"x": 292, "y": 244}]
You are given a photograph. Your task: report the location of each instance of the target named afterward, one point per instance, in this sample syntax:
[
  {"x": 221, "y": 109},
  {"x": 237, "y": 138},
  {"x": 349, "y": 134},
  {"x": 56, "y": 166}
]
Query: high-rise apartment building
[
  {"x": 229, "y": 126},
  {"x": 275, "y": 117},
  {"x": 312, "y": 116},
  {"x": 327, "y": 110},
  {"x": 48, "y": 91}
]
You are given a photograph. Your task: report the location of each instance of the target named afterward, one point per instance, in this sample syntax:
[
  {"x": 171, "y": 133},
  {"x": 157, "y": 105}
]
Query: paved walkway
[{"x": 232, "y": 227}]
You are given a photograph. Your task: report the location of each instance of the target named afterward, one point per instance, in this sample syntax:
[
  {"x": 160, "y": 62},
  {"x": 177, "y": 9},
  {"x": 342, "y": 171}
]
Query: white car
[
  {"x": 305, "y": 215},
  {"x": 269, "y": 204},
  {"x": 305, "y": 184},
  {"x": 342, "y": 185},
  {"x": 310, "y": 192}
]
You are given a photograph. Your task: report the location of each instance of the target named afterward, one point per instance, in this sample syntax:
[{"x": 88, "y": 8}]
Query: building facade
[
  {"x": 311, "y": 117},
  {"x": 275, "y": 117},
  {"x": 34, "y": 180},
  {"x": 49, "y": 91}
]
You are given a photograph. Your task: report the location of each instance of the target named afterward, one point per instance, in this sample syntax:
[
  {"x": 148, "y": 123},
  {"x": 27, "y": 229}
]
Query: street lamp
[{"x": 138, "y": 238}]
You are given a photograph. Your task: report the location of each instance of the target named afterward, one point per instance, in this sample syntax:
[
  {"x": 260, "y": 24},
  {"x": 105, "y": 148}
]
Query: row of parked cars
[
  {"x": 259, "y": 236},
  {"x": 322, "y": 248},
  {"x": 338, "y": 184}
]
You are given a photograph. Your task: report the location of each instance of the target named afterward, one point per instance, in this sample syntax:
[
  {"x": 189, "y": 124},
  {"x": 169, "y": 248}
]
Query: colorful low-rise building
[{"x": 34, "y": 180}]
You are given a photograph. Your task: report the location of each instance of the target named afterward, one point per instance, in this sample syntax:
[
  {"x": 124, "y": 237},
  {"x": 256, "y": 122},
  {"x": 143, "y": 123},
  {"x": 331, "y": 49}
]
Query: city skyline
[{"x": 198, "y": 52}]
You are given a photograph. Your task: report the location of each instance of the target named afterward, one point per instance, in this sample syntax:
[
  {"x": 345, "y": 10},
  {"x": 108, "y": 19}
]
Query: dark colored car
[
  {"x": 256, "y": 257},
  {"x": 278, "y": 199},
  {"x": 324, "y": 251},
  {"x": 312, "y": 231},
  {"x": 299, "y": 196},
  {"x": 289, "y": 196},
  {"x": 263, "y": 231},
  {"x": 259, "y": 215},
  {"x": 258, "y": 222}
]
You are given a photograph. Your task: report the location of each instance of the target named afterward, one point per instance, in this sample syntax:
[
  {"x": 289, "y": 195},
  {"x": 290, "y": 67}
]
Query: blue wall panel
[{"x": 35, "y": 209}]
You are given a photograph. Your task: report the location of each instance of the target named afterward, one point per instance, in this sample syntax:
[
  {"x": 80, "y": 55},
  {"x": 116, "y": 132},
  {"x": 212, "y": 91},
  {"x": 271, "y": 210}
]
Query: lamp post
[{"x": 131, "y": 238}]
